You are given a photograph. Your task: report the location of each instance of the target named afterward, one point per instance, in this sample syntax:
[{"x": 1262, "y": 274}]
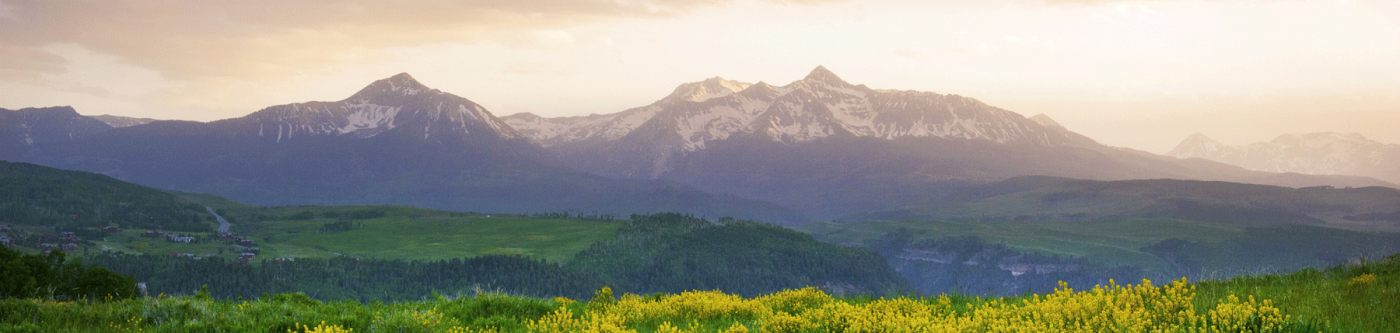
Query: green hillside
[
  {"x": 382, "y": 232},
  {"x": 397, "y": 232},
  {"x": 32, "y": 195},
  {"x": 669, "y": 252},
  {"x": 1040, "y": 198}
]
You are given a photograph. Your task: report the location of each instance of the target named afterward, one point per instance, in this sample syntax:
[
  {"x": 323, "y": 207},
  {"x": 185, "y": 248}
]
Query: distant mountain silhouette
[
  {"x": 394, "y": 142},
  {"x": 1313, "y": 153},
  {"x": 832, "y": 148}
]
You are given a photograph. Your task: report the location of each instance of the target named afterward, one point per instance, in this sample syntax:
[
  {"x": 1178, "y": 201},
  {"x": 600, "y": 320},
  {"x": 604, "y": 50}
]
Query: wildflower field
[{"x": 1350, "y": 298}]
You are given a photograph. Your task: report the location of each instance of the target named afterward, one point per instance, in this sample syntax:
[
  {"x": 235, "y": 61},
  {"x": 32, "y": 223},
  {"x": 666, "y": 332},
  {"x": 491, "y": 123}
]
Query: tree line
[{"x": 53, "y": 276}]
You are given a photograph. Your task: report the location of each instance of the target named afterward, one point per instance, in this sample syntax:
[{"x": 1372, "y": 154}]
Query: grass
[
  {"x": 1108, "y": 242},
  {"x": 432, "y": 238},
  {"x": 401, "y": 232},
  {"x": 408, "y": 233},
  {"x": 1358, "y": 297},
  {"x": 1362, "y": 297}
]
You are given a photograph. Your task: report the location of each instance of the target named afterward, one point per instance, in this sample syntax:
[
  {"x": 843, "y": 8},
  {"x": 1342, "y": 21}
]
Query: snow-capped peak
[
  {"x": 384, "y": 105},
  {"x": 401, "y": 84},
  {"x": 822, "y": 75},
  {"x": 709, "y": 88}
]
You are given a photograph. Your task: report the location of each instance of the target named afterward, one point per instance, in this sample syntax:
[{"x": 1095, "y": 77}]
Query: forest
[{"x": 663, "y": 252}]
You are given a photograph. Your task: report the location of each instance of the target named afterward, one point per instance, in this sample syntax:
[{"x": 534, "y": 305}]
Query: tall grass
[
  {"x": 1360, "y": 297},
  {"x": 1355, "y": 297}
]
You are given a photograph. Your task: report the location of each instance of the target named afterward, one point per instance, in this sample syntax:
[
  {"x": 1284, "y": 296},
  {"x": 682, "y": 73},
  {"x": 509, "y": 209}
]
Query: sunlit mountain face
[{"x": 827, "y": 146}]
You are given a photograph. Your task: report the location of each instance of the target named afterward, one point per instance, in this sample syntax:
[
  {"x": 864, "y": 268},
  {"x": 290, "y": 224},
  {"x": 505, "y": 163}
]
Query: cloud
[
  {"x": 249, "y": 40},
  {"x": 1089, "y": 2}
]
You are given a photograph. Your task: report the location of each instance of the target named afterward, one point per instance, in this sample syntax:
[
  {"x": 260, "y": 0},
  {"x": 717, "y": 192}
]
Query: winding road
[{"x": 223, "y": 224}]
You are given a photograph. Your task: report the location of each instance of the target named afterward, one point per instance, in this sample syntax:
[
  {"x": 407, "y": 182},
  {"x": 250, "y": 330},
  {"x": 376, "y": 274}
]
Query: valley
[{"x": 402, "y": 191}]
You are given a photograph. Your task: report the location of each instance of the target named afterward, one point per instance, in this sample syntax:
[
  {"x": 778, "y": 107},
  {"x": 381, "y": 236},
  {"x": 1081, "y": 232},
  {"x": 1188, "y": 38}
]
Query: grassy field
[
  {"x": 1109, "y": 242},
  {"x": 385, "y": 232},
  {"x": 1354, "y": 298},
  {"x": 1357, "y": 297},
  {"x": 399, "y": 232},
  {"x": 433, "y": 238}
]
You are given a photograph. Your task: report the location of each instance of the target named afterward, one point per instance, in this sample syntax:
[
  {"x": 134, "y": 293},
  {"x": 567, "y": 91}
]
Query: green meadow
[
  {"x": 382, "y": 232},
  {"x": 433, "y": 238}
]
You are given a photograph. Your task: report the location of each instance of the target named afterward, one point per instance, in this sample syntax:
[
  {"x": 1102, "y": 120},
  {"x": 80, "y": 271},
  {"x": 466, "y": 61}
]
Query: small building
[
  {"x": 111, "y": 229},
  {"x": 5, "y": 228},
  {"x": 246, "y": 257},
  {"x": 7, "y": 241},
  {"x": 180, "y": 239},
  {"x": 70, "y": 247}
]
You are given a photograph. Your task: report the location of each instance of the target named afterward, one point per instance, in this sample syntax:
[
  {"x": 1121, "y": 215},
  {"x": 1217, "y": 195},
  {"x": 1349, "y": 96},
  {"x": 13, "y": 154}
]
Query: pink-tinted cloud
[{"x": 265, "y": 38}]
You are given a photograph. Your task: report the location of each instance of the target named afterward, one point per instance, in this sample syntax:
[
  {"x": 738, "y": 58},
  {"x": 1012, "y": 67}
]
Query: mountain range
[
  {"x": 393, "y": 142},
  {"x": 830, "y": 148},
  {"x": 1322, "y": 153},
  {"x": 815, "y": 149}
]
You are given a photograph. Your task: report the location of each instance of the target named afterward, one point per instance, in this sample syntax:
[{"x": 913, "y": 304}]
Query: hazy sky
[{"x": 1139, "y": 74}]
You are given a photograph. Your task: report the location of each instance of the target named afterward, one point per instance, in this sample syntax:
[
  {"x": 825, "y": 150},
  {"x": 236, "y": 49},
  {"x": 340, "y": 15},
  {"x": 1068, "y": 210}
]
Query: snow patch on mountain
[
  {"x": 380, "y": 107},
  {"x": 819, "y": 106}
]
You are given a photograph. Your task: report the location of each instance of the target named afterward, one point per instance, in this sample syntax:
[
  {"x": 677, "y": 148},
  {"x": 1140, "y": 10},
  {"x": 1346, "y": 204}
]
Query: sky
[{"x": 1136, "y": 74}]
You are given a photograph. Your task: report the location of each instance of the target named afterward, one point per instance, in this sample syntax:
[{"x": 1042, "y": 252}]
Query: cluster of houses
[
  {"x": 68, "y": 242},
  {"x": 169, "y": 237},
  {"x": 5, "y": 239},
  {"x": 239, "y": 240}
]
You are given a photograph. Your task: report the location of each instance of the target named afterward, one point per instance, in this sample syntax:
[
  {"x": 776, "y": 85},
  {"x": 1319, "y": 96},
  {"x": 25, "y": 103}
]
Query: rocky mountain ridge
[
  {"x": 398, "y": 101},
  {"x": 1323, "y": 153},
  {"x": 21, "y": 129},
  {"x": 819, "y": 106},
  {"x": 394, "y": 142}
]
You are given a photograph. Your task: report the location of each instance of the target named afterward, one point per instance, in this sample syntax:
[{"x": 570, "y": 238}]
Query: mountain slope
[
  {"x": 394, "y": 142},
  {"x": 22, "y": 129},
  {"x": 38, "y": 195},
  {"x": 814, "y": 108},
  {"x": 1313, "y": 153}
]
